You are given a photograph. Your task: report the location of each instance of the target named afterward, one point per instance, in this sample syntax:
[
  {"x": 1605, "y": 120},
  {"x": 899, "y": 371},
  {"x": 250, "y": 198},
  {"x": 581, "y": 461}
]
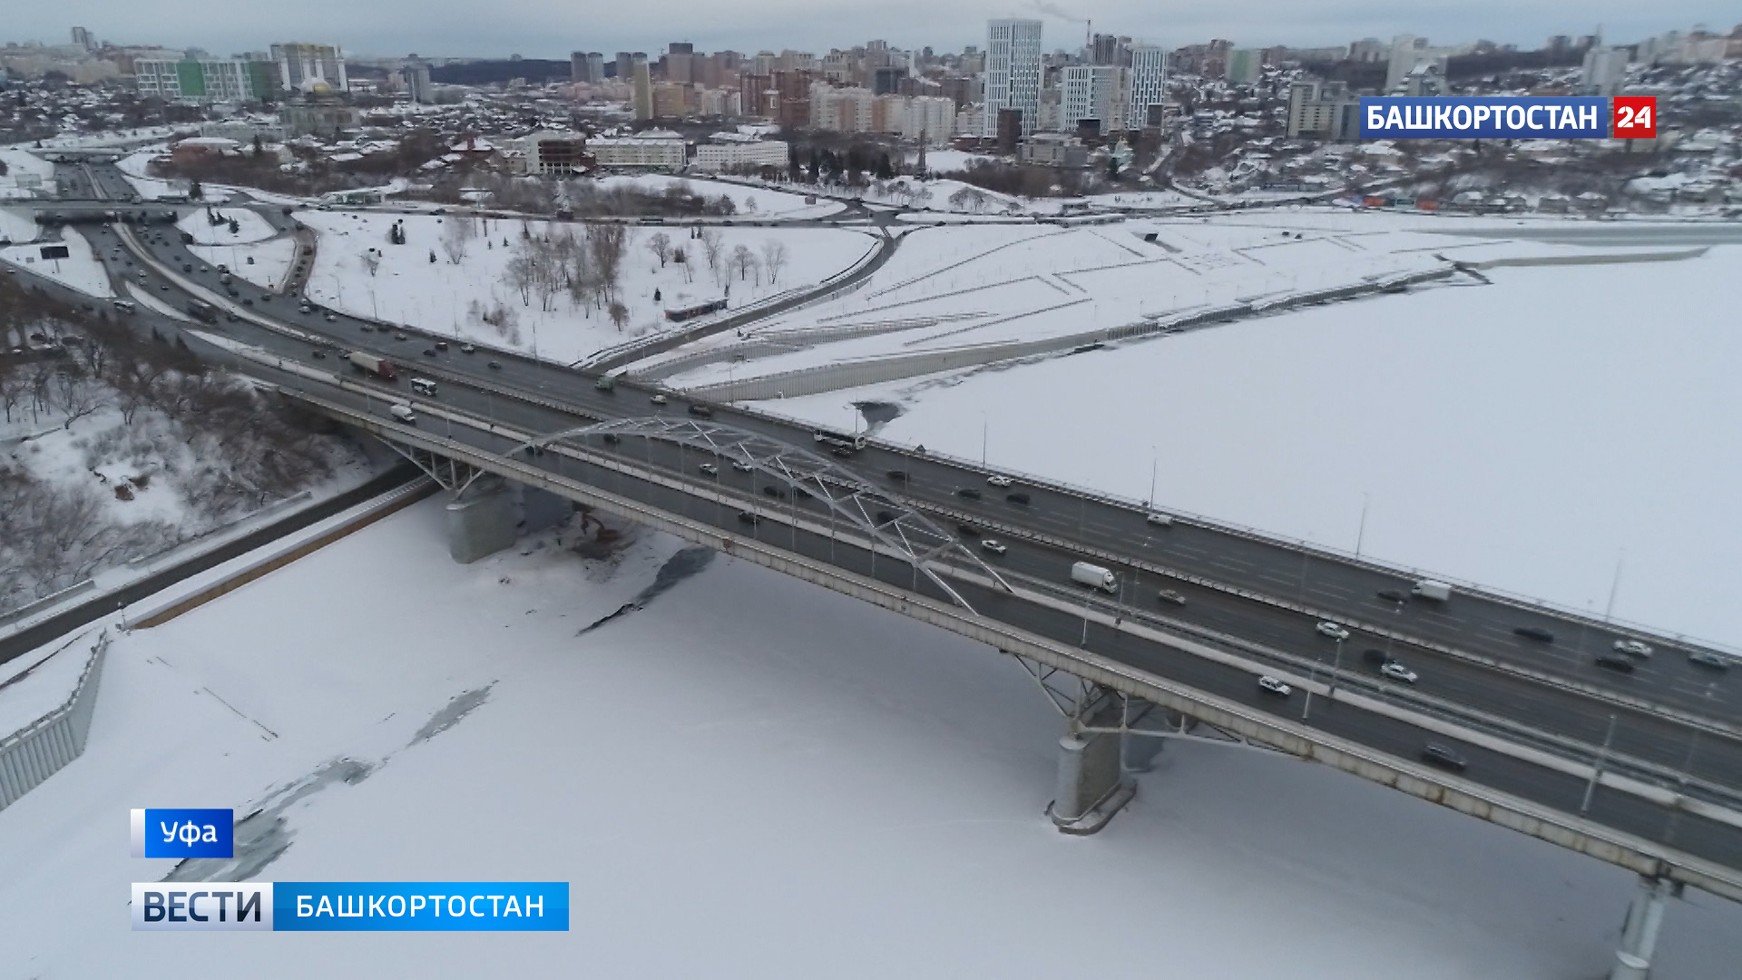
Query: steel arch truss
[
  {"x": 853, "y": 500},
  {"x": 454, "y": 477}
]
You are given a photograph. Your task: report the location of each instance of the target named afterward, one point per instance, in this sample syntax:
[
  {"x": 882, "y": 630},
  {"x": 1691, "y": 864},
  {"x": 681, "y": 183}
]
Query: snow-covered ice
[{"x": 766, "y": 778}]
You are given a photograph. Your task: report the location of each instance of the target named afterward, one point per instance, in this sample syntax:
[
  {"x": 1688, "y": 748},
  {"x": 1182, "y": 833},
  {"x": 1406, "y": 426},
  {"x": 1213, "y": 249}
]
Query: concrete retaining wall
[{"x": 45, "y": 746}]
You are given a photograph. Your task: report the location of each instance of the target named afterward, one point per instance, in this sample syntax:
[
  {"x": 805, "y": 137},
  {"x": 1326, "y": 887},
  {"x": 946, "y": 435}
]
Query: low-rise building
[
  {"x": 1053, "y": 150},
  {"x": 640, "y": 152},
  {"x": 735, "y": 154},
  {"x": 553, "y": 153}
]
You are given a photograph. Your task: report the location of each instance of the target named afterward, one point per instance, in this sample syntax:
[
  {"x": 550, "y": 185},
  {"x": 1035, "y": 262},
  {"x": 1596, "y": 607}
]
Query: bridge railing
[{"x": 45, "y": 746}]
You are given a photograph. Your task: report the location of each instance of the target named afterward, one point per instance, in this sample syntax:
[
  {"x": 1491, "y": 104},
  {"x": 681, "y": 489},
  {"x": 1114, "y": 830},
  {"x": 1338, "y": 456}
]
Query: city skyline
[{"x": 538, "y": 29}]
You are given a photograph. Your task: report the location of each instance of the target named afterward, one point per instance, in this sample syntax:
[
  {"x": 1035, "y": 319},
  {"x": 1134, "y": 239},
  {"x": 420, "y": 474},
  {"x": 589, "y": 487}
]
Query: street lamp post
[
  {"x": 1597, "y": 768},
  {"x": 1361, "y": 533}
]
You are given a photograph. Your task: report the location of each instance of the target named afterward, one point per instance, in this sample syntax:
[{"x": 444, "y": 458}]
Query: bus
[
  {"x": 699, "y": 309},
  {"x": 423, "y": 386},
  {"x": 835, "y": 440}
]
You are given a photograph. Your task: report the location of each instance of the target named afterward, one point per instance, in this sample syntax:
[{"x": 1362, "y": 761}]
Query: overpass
[{"x": 1639, "y": 771}]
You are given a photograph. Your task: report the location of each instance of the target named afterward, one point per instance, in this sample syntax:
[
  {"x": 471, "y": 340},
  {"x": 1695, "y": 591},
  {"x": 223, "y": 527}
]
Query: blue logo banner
[
  {"x": 420, "y": 906},
  {"x": 183, "y": 833},
  {"x": 1484, "y": 117}
]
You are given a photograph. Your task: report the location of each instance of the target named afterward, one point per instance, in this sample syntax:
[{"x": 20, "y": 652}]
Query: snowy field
[
  {"x": 271, "y": 259},
  {"x": 409, "y": 288},
  {"x": 1527, "y": 435},
  {"x": 746, "y": 777},
  {"x": 250, "y": 227},
  {"x": 79, "y": 270},
  {"x": 37, "y": 175},
  {"x": 760, "y": 202},
  {"x": 133, "y": 167},
  {"x": 17, "y": 226},
  {"x": 955, "y": 286}
]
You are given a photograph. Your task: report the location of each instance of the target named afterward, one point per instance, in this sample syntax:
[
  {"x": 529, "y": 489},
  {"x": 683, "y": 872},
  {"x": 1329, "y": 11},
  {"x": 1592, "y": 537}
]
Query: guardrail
[
  {"x": 46, "y": 745},
  {"x": 35, "y": 605}
]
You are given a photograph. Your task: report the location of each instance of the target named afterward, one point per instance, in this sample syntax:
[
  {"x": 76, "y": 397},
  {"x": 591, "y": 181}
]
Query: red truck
[{"x": 370, "y": 364}]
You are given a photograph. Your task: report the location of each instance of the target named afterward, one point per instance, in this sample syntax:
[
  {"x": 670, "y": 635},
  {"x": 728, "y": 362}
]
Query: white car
[
  {"x": 1398, "y": 672},
  {"x": 1271, "y": 685},
  {"x": 1169, "y": 595},
  {"x": 1634, "y": 648},
  {"x": 658, "y": 399},
  {"x": 1160, "y": 520},
  {"x": 997, "y": 548},
  {"x": 998, "y": 481},
  {"x": 468, "y": 348},
  {"x": 742, "y": 467},
  {"x": 710, "y": 469},
  {"x": 1333, "y": 630}
]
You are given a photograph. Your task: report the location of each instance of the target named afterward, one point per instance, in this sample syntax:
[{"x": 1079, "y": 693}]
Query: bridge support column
[
  {"x": 481, "y": 520},
  {"x": 1639, "y": 933},
  {"x": 1091, "y": 786}
]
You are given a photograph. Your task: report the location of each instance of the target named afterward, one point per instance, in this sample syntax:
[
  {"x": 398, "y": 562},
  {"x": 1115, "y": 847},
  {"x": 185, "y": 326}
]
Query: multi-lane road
[{"x": 1669, "y": 723}]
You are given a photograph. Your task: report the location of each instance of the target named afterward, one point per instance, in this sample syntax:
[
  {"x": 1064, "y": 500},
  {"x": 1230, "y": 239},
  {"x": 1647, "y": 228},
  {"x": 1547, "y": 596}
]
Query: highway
[{"x": 1251, "y": 595}]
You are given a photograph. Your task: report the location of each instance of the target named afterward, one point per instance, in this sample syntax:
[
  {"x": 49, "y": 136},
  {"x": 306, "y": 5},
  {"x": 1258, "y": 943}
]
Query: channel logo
[
  {"x": 1502, "y": 117},
  {"x": 183, "y": 833},
  {"x": 351, "y": 906}
]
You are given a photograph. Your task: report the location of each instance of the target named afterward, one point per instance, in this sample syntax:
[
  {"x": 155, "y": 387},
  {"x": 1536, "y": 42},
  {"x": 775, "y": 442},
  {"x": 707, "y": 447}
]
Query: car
[
  {"x": 612, "y": 438},
  {"x": 994, "y": 546},
  {"x": 1620, "y": 665},
  {"x": 231, "y": 317},
  {"x": 1398, "y": 672},
  {"x": 1272, "y": 685},
  {"x": 332, "y": 318},
  {"x": 320, "y": 355},
  {"x": 1443, "y": 756},
  {"x": 745, "y": 517},
  {"x": 365, "y": 328},
  {"x": 1393, "y": 595},
  {"x": 245, "y": 300},
  {"x": 1709, "y": 660},
  {"x": 163, "y": 288},
  {"x": 998, "y": 481},
  {"x": 899, "y": 476},
  {"x": 740, "y": 466},
  {"x": 969, "y": 493},
  {"x": 468, "y": 348},
  {"x": 839, "y": 452},
  {"x": 1159, "y": 519},
  {"x": 494, "y": 365},
  {"x": 1536, "y": 633},
  {"x": 773, "y": 491},
  {"x": 1169, "y": 595},
  {"x": 710, "y": 469},
  {"x": 441, "y": 345},
  {"x": 1335, "y": 631},
  {"x": 701, "y": 411},
  {"x": 1018, "y": 497},
  {"x": 429, "y": 352},
  {"x": 658, "y": 399},
  {"x": 1634, "y": 648},
  {"x": 400, "y": 336}
]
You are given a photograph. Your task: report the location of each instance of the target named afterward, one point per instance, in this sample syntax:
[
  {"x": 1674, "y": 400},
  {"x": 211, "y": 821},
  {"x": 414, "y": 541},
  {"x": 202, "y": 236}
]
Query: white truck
[
  {"x": 1094, "y": 576},
  {"x": 1433, "y": 589},
  {"x": 403, "y": 413}
]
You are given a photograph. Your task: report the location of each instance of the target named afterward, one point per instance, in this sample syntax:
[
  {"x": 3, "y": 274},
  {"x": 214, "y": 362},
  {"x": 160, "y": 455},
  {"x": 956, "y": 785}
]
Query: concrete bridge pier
[
  {"x": 1091, "y": 782},
  {"x": 1639, "y": 932},
  {"x": 482, "y": 520}
]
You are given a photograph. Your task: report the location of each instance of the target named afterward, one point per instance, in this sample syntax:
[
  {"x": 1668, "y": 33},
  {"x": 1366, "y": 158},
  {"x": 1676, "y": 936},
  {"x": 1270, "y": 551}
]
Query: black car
[
  {"x": 745, "y": 517},
  {"x": 972, "y": 493},
  {"x": 1017, "y": 497},
  {"x": 899, "y": 476},
  {"x": 494, "y": 365},
  {"x": 441, "y": 345},
  {"x": 429, "y": 352},
  {"x": 1536, "y": 633},
  {"x": 1620, "y": 665},
  {"x": 1393, "y": 595},
  {"x": 320, "y": 355},
  {"x": 612, "y": 439},
  {"x": 1443, "y": 756},
  {"x": 701, "y": 411}
]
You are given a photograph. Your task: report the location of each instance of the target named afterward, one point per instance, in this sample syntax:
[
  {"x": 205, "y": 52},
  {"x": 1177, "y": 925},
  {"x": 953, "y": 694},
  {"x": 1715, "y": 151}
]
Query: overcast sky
[{"x": 551, "y": 28}]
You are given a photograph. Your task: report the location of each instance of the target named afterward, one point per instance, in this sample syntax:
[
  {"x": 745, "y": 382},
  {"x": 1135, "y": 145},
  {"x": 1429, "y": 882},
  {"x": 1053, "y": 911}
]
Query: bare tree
[
  {"x": 78, "y": 397},
  {"x": 456, "y": 234},
  {"x": 660, "y": 246},
  {"x": 774, "y": 256},
  {"x": 607, "y": 243},
  {"x": 712, "y": 244},
  {"x": 745, "y": 262},
  {"x": 619, "y": 315}
]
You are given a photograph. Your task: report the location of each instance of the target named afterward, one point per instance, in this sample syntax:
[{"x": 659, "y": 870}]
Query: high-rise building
[
  {"x": 1243, "y": 65},
  {"x": 301, "y": 67},
  {"x": 83, "y": 39},
  {"x": 1148, "y": 84},
  {"x": 415, "y": 74},
  {"x": 210, "y": 80},
  {"x": 586, "y": 66},
  {"x": 1097, "y": 92},
  {"x": 887, "y": 81},
  {"x": 680, "y": 62},
  {"x": 1603, "y": 70},
  {"x": 1012, "y": 72},
  {"x": 642, "y": 96},
  {"x": 625, "y": 66},
  {"x": 1323, "y": 110}
]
